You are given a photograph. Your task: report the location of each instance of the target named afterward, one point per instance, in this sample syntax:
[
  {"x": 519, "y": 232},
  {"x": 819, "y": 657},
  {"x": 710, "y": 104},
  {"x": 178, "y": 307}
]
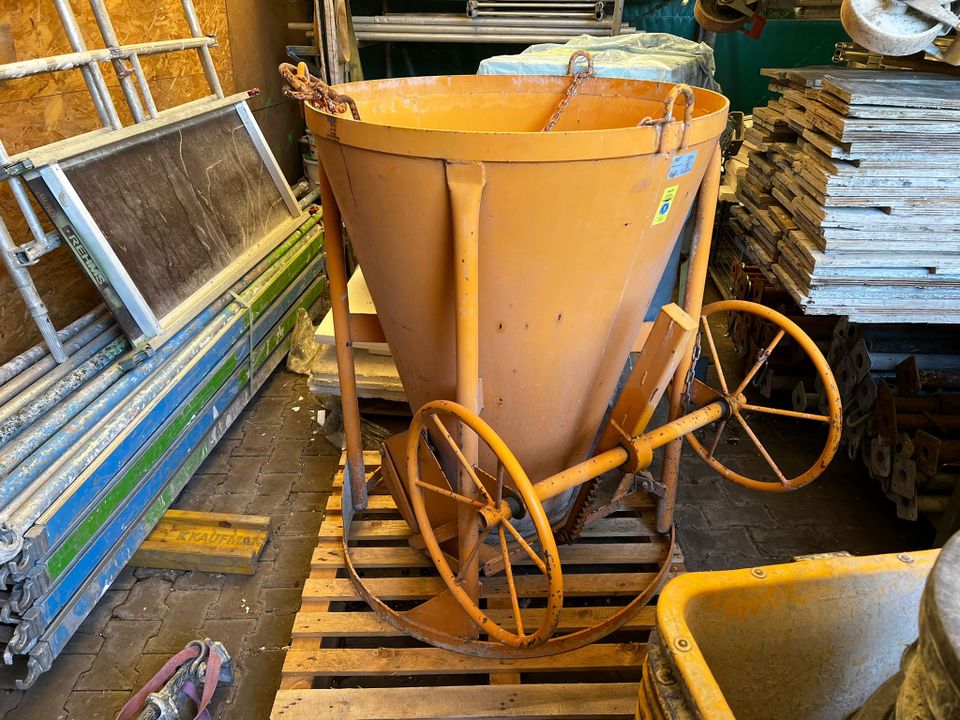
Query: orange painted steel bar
[
  {"x": 465, "y": 182},
  {"x": 643, "y": 447},
  {"x": 692, "y": 304},
  {"x": 340, "y": 305}
]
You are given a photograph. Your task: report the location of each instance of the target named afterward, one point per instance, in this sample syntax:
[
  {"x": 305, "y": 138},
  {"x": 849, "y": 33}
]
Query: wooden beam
[
  {"x": 530, "y": 702},
  {"x": 204, "y": 541},
  {"x": 430, "y": 661}
]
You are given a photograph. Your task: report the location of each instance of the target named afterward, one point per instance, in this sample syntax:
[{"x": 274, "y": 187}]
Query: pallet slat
[
  {"x": 366, "y": 624},
  {"x": 621, "y": 527},
  {"x": 330, "y": 554},
  {"x": 417, "y": 588},
  {"x": 434, "y": 661},
  {"x": 530, "y": 702}
]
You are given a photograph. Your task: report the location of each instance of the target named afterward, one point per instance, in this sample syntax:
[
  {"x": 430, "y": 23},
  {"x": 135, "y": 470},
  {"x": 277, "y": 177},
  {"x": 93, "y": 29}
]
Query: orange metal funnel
[{"x": 575, "y": 228}]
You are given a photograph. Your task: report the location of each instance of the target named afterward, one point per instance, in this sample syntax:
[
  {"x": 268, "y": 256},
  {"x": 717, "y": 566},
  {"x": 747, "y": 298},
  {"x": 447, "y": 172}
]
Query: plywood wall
[{"x": 39, "y": 110}]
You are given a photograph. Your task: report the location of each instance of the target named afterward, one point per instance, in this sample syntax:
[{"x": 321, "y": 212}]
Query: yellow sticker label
[{"x": 663, "y": 209}]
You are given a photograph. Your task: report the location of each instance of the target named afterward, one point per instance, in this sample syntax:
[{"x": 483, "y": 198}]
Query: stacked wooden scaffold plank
[
  {"x": 345, "y": 662},
  {"x": 851, "y": 191}
]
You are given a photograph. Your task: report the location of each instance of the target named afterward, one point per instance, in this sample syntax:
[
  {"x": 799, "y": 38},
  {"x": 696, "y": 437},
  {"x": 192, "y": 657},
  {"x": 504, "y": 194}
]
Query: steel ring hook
[
  {"x": 668, "y": 105},
  {"x": 572, "y": 63}
]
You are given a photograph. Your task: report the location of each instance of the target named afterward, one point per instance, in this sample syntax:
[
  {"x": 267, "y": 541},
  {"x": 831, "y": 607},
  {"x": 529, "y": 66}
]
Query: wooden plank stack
[
  {"x": 345, "y": 662},
  {"x": 852, "y": 191}
]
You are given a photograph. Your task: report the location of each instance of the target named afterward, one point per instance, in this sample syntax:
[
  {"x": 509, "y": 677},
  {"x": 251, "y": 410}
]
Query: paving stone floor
[{"x": 275, "y": 461}]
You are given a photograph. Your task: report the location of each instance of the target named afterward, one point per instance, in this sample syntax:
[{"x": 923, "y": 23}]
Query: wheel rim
[
  {"x": 494, "y": 512},
  {"x": 712, "y": 16},
  {"x": 736, "y": 401}
]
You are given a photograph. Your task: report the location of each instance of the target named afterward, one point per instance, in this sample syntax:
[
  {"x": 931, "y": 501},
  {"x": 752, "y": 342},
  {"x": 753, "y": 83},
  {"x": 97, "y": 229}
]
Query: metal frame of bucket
[{"x": 454, "y": 619}]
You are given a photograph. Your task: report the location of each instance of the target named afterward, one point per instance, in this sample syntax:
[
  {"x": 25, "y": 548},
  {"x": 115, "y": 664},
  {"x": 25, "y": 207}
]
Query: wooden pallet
[{"x": 344, "y": 662}]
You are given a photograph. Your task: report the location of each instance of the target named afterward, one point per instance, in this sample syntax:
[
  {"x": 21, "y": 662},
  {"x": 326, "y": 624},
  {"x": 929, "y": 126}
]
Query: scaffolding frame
[{"x": 80, "y": 232}]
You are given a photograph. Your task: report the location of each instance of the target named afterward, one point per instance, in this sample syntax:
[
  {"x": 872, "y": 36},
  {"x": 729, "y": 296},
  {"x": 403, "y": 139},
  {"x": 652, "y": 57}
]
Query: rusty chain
[
  {"x": 686, "y": 400},
  {"x": 578, "y": 78},
  {"x": 301, "y": 85}
]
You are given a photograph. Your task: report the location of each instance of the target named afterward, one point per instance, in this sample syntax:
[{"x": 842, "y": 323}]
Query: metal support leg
[
  {"x": 465, "y": 182},
  {"x": 24, "y": 283},
  {"x": 123, "y": 74},
  {"x": 91, "y": 73},
  {"x": 205, "y": 59},
  {"x": 340, "y": 305},
  {"x": 692, "y": 304}
]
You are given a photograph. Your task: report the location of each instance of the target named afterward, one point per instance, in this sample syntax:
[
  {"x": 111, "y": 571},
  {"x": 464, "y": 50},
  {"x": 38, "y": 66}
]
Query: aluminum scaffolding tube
[
  {"x": 92, "y": 75},
  {"x": 28, "y": 291},
  {"x": 27, "y": 396},
  {"x": 79, "y": 60},
  {"x": 28, "y": 358},
  {"x": 39, "y": 369},
  {"x": 205, "y": 59},
  {"x": 123, "y": 74}
]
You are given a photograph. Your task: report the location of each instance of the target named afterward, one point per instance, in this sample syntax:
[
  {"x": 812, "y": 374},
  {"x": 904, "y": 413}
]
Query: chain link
[
  {"x": 578, "y": 78},
  {"x": 301, "y": 85},
  {"x": 691, "y": 373}
]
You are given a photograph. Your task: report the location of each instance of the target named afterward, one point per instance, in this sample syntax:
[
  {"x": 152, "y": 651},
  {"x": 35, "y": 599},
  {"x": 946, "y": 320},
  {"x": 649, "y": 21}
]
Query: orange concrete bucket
[{"x": 449, "y": 187}]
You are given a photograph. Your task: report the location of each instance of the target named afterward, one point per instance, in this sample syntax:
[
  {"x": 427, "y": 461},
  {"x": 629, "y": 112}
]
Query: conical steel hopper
[
  {"x": 512, "y": 232},
  {"x": 572, "y": 230}
]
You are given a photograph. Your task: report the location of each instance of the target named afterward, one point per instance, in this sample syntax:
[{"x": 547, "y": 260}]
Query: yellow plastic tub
[{"x": 811, "y": 639}]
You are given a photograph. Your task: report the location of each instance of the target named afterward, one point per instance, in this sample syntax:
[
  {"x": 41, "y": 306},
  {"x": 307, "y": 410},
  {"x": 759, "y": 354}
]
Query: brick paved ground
[{"x": 275, "y": 461}]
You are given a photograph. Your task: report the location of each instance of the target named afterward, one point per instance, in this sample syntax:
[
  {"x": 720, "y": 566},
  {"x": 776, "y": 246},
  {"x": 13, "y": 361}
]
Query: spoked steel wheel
[
  {"x": 733, "y": 387},
  {"x": 494, "y": 508}
]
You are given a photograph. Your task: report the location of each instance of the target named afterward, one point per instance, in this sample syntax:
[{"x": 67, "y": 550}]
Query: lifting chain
[
  {"x": 301, "y": 85},
  {"x": 578, "y": 77},
  {"x": 691, "y": 373}
]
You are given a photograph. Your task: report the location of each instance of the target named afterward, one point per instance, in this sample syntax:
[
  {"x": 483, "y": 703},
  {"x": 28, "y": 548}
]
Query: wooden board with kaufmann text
[
  {"x": 344, "y": 662},
  {"x": 205, "y": 541},
  {"x": 856, "y": 169}
]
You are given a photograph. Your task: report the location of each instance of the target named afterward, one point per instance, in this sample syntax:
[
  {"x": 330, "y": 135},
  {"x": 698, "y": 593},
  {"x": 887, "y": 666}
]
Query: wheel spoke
[
  {"x": 786, "y": 413},
  {"x": 761, "y": 448},
  {"x": 716, "y": 357},
  {"x": 764, "y": 354},
  {"x": 716, "y": 438},
  {"x": 526, "y": 546},
  {"x": 508, "y": 568},
  {"x": 451, "y": 494},
  {"x": 469, "y": 560},
  {"x": 500, "y": 471},
  {"x": 463, "y": 461}
]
